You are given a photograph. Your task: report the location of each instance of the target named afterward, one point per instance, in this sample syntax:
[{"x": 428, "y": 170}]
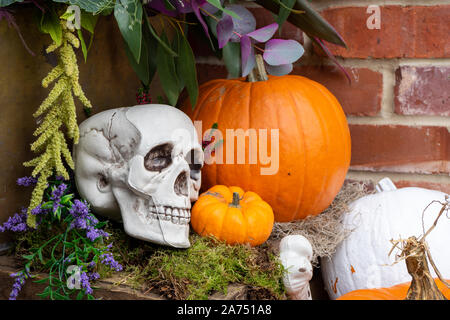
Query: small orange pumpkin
[
  {"x": 232, "y": 215},
  {"x": 397, "y": 292}
]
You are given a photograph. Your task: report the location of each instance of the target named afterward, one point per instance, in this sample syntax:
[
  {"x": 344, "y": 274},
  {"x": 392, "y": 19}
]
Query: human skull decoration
[
  {"x": 295, "y": 254},
  {"x": 141, "y": 165}
]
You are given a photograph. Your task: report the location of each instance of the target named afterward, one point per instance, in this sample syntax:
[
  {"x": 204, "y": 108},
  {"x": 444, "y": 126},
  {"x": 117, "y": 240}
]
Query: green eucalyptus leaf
[
  {"x": 231, "y": 53},
  {"x": 187, "y": 69},
  {"x": 167, "y": 73},
  {"x": 161, "y": 42},
  {"x": 128, "y": 15},
  {"x": 92, "y": 6},
  {"x": 146, "y": 68},
  {"x": 51, "y": 25},
  {"x": 218, "y": 5},
  {"x": 285, "y": 11},
  {"x": 168, "y": 5},
  {"x": 4, "y": 3},
  {"x": 83, "y": 45},
  {"x": 88, "y": 21},
  {"x": 176, "y": 47},
  {"x": 310, "y": 22}
]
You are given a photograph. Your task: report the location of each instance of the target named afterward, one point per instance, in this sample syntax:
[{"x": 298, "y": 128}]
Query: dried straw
[{"x": 325, "y": 231}]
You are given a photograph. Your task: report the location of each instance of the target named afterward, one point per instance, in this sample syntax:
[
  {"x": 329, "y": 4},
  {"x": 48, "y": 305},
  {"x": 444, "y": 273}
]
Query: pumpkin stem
[
  {"x": 422, "y": 286},
  {"x": 259, "y": 72},
  {"x": 235, "y": 202}
]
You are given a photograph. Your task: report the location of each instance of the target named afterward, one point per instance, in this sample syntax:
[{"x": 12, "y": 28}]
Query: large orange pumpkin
[
  {"x": 232, "y": 215},
  {"x": 397, "y": 292},
  {"x": 314, "y": 140}
]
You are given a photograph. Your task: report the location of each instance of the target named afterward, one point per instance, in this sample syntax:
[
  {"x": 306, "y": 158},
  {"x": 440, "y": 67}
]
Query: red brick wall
[{"x": 398, "y": 103}]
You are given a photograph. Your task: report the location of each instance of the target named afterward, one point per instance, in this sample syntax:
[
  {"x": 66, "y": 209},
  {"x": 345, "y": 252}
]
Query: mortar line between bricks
[
  {"x": 373, "y": 64},
  {"x": 331, "y": 4},
  {"x": 327, "y": 4},
  {"x": 388, "y": 95},
  {"x": 402, "y": 120},
  {"x": 397, "y": 176}
]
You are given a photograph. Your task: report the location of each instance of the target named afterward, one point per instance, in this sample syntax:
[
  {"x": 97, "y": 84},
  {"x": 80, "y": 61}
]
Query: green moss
[{"x": 194, "y": 273}]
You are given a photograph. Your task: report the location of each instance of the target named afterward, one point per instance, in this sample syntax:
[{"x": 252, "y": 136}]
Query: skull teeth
[{"x": 176, "y": 215}]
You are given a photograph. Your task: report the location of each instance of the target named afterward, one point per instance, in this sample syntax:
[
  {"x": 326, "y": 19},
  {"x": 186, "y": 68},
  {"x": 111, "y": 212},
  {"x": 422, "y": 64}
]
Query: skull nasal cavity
[{"x": 181, "y": 185}]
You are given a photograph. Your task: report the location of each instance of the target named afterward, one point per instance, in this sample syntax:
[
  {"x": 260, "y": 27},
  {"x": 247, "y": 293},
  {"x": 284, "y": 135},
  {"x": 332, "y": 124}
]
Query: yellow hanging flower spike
[{"x": 59, "y": 109}]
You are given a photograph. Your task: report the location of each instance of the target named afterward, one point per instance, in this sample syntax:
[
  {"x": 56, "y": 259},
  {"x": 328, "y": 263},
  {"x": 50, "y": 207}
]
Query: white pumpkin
[{"x": 361, "y": 261}]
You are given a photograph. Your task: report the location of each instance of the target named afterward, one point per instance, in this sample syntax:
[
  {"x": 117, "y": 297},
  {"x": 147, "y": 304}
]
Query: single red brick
[
  {"x": 287, "y": 31},
  {"x": 444, "y": 187},
  {"x": 362, "y": 97},
  {"x": 422, "y": 91},
  {"x": 206, "y": 72},
  {"x": 408, "y": 32},
  {"x": 398, "y": 148}
]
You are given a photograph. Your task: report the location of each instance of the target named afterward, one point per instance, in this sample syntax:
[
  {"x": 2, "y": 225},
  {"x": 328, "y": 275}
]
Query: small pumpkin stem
[
  {"x": 235, "y": 202},
  {"x": 422, "y": 286},
  {"x": 259, "y": 71}
]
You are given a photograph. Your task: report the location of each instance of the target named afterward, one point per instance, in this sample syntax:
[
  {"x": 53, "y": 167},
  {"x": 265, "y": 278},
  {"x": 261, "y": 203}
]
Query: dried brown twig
[{"x": 416, "y": 254}]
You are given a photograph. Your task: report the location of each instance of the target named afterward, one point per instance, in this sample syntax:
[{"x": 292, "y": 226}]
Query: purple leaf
[
  {"x": 224, "y": 30},
  {"x": 245, "y": 24},
  {"x": 279, "y": 51},
  {"x": 159, "y": 5},
  {"x": 247, "y": 55},
  {"x": 280, "y": 70},
  {"x": 208, "y": 7},
  {"x": 196, "y": 7},
  {"x": 331, "y": 56},
  {"x": 265, "y": 33}
]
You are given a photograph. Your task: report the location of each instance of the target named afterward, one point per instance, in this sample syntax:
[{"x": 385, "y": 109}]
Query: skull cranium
[{"x": 141, "y": 165}]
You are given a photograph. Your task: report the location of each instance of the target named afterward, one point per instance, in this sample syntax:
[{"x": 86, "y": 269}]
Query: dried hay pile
[{"x": 325, "y": 231}]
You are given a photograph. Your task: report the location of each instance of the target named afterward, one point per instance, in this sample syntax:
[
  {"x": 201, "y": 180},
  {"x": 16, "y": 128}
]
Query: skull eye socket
[
  {"x": 159, "y": 157},
  {"x": 194, "y": 159}
]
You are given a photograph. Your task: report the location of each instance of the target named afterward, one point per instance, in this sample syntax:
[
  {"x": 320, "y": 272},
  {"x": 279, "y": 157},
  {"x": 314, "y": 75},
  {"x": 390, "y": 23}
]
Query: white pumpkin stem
[
  {"x": 416, "y": 253},
  {"x": 385, "y": 184},
  {"x": 422, "y": 286},
  {"x": 259, "y": 71}
]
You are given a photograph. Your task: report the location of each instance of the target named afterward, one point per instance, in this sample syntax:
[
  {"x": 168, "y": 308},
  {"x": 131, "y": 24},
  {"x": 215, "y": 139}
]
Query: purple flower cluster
[
  {"x": 86, "y": 278},
  {"x": 85, "y": 221},
  {"x": 39, "y": 211},
  {"x": 57, "y": 193},
  {"x": 108, "y": 260},
  {"x": 85, "y": 283},
  {"x": 26, "y": 181},
  {"x": 18, "y": 283},
  {"x": 16, "y": 223}
]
